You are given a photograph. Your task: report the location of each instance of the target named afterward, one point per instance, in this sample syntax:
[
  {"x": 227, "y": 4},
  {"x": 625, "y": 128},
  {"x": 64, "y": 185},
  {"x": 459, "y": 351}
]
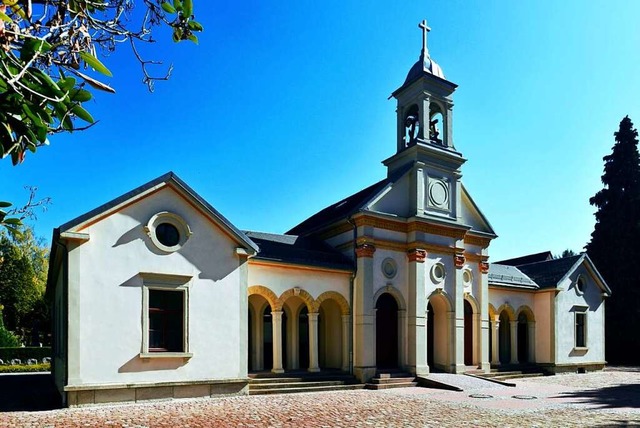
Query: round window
[
  {"x": 167, "y": 234},
  {"x": 168, "y": 231},
  {"x": 389, "y": 267},
  {"x": 580, "y": 285},
  {"x": 438, "y": 273}
]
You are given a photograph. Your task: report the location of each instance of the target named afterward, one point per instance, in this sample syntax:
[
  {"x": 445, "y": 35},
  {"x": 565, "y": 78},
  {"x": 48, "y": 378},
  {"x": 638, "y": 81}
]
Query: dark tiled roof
[
  {"x": 531, "y": 258},
  {"x": 339, "y": 210},
  {"x": 298, "y": 250},
  {"x": 549, "y": 273},
  {"x": 509, "y": 276}
]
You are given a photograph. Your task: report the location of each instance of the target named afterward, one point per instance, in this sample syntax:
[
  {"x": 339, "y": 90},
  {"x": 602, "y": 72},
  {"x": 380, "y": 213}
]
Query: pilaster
[
  {"x": 485, "y": 327},
  {"x": 458, "y": 365},
  {"x": 364, "y": 317},
  {"x": 345, "y": 343},
  {"x": 416, "y": 314},
  {"x": 495, "y": 358},
  {"x": 531, "y": 326}
]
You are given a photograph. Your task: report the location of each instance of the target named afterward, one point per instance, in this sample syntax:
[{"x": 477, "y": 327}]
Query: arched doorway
[
  {"x": 386, "y": 331},
  {"x": 523, "y": 338},
  {"x": 504, "y": 340},
  {"x": 468, "y": 333},
  {"x": 330, "y": 335}
]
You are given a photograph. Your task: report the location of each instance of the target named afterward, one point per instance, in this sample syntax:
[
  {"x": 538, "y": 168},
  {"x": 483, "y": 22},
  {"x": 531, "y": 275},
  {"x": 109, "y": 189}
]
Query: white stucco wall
[
  {"x": 314, "y": 281},
  {"x": 567, "y": 302},
  {"x": 109, "y": 310}
]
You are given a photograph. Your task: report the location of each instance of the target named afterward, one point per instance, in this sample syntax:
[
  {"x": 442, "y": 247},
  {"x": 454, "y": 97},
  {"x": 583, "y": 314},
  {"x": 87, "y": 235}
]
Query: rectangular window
[
  {"x": 166, "y": 318},
  {"x": 581, "y": 330}
]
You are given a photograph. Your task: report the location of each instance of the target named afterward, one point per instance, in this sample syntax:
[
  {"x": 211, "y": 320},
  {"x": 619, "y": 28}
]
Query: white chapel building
[{"x": 157, "y": 295}]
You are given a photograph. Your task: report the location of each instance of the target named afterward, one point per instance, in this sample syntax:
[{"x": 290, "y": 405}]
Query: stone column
[
  {"x": 345, "y": 342},
  {"x": 417, "y": 307},
  {"x": 364, "y": 328},
  {"x": 514, "y": 342},
  {"x": 495, "y": 348},
  {"x": 457, "y": 365},
  {"x": 293, "y": 347},
  {"x": 425, "y": 116},
  {"x": 313, "y": 342},
  {"x": 277, "y": 341},
  {"x": 485, "y": 327},
  {"x": 531, "y": 326},
  {"x": 257, "y": 347}
]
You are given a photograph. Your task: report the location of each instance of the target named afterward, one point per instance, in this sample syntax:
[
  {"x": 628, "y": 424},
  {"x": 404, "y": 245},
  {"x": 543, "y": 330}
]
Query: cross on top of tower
[{"x": 425, "y": 29}]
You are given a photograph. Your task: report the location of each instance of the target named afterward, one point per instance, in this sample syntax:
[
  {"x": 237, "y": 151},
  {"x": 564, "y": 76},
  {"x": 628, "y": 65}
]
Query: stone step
[
  {"x": 392, "y": 374},
  {"x": 376, "y": 386},
  {"x": 308, "y": 387},
  {"x": 391, "y": 380},
  {"x": 516, "y": 375},
  {"x": 293, "y": 385},
  {"x": 343, "y": 378}
]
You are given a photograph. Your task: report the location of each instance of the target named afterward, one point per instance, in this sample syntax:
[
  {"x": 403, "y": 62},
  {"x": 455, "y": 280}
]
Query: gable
[
  {"x": 180, "y": 189},
  {"x": 472, "y": 216}
]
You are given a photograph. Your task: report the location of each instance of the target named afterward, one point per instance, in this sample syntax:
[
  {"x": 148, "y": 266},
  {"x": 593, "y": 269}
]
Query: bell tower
[{"x": 425, "y": 138}]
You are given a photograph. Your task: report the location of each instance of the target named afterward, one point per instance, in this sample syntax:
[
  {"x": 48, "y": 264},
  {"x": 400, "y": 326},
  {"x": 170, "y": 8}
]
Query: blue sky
[{"x": 282, "y": 110}]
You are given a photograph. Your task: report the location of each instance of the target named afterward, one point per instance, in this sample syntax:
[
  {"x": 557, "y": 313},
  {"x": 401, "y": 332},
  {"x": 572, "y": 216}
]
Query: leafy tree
[
  {"x": 615, "y": 241},
  {"x": 566, "y": 253},
  {"x": 7, "y": 339},
  {"x": 23, "y": 276},
  {"x": 49, "y": 53}
]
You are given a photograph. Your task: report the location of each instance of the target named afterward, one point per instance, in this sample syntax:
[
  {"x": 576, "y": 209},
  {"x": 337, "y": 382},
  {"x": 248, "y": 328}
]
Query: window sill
[
  {"x": 154, "y": 355},
  {"x": 579, "y": 350}
]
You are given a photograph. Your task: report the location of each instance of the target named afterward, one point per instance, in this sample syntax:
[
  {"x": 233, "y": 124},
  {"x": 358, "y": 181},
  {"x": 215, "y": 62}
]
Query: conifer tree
[{"x": 615, "y": 243}]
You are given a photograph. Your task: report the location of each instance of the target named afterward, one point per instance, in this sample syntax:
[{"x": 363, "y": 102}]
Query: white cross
[{"x": 425, "y": 29}]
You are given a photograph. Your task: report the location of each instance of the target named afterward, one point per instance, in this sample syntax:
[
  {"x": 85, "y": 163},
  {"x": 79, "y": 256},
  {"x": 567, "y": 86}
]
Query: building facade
[{"x": 157, "y": 295}]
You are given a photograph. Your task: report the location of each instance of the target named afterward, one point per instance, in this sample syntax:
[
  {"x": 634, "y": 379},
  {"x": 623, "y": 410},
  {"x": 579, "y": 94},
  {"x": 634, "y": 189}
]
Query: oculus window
[{"x": 168, "y": 231}]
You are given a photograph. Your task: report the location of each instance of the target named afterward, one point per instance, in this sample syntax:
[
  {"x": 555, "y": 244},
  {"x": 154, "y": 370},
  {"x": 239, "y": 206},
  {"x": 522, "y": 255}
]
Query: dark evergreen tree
[{"x": 615, "y": 244}]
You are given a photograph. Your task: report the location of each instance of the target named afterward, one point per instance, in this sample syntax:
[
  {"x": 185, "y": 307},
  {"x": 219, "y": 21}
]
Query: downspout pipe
[{"x": 352, "y": 292}]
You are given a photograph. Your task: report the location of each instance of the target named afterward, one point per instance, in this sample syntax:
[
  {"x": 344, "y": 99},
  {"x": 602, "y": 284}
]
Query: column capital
[
  {"x": 365, "y": 250},
  {"x": 313, "y": 316},
  {"x": 417, "y": 255},
  {"x": 484, "y": 267},
  {"x": 459, "y": 260}
]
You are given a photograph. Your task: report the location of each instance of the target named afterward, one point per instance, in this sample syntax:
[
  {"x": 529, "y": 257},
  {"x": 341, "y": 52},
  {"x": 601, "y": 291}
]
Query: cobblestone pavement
[{"x": 594, "y": 399}]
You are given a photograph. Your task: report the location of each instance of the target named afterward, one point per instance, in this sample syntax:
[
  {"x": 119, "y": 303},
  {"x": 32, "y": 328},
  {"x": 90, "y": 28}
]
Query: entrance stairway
[
  {"x": 291, "y": 382},
  {"x": 507, "y": 372},
  {"x": 387, "y": 379}
]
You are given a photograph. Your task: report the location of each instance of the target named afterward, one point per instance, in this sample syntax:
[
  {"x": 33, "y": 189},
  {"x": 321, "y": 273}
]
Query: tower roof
[{"x": 425, "y": 63}]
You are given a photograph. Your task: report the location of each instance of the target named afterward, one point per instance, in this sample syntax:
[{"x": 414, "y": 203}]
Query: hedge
[
  {"x": 25, "y": 368},
  {"x": 23, "y": 354}
]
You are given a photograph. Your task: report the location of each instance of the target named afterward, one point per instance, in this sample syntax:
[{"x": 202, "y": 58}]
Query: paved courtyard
[{"x": 610, "y": 398}]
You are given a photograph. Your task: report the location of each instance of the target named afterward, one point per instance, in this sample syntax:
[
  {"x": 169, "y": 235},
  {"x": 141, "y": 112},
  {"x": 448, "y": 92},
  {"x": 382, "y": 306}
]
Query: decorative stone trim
[
  {"x": 365, "y": 250},
  {"x": 480, "y": 241},
  {"x": 337, "y": 297},
  {"x": 417, "y": 255},
  {"x": 459, "y": 260},
  {"x": 435, "y": 229},
  {"x": 268, "y": 295}
]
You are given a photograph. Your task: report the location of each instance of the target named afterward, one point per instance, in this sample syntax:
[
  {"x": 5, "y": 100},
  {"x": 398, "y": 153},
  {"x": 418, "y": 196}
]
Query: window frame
[
  {"x": 172, "y": 283},
  {"x": 580, "y": 312}
]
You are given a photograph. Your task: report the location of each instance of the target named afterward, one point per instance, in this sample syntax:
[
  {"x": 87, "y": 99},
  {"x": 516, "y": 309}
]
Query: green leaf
[
  {"x": 13, "y": 221},
  {"x": 67, "y": 83},
  {"x": 187, "y": 8},
  {"x": 95, "y": 63},
  {"x": 5, "y": 204},
  {"x": 80, "y": 95},
  {"x": 177, "y": 34},
  {"x": 82, "y": 113},
  {"x": 95, "y": 83},
  {"x": 195, "y": 26},
  {"x": 177, "y": 4},
  {"x": 166, "y": 6},
  {"x": 193, "y": 38},
  {"x": 36, "y": 120},
  {"x": 5, "y": 18}
]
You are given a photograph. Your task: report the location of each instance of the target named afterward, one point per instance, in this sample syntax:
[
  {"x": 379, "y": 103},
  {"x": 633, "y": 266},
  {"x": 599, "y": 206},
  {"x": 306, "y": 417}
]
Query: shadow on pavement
[
  {"x": 28, "y": 392},
  {"x": 610, "y": 397}
]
